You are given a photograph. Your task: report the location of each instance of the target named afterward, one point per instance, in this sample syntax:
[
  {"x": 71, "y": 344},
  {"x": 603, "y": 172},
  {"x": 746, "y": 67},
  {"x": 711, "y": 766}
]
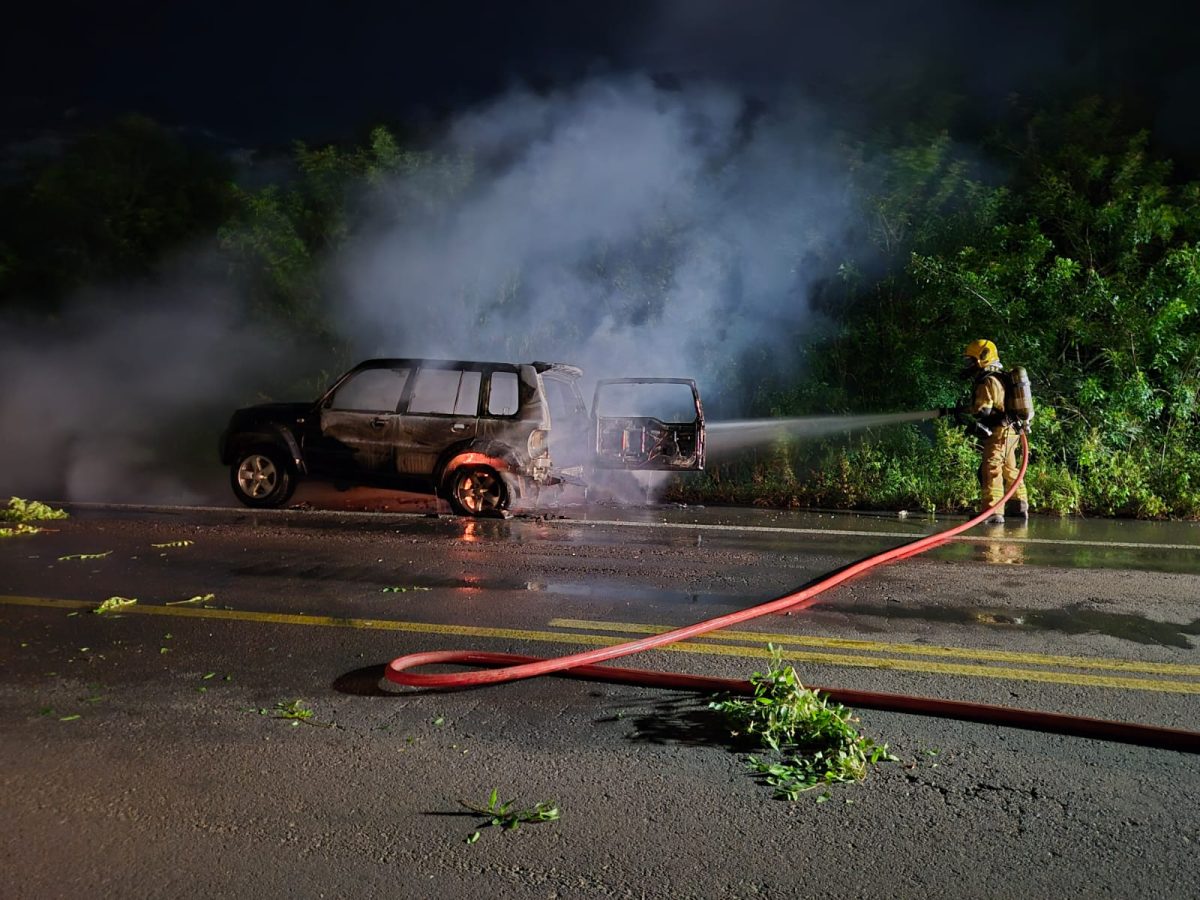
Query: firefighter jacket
[{"x": 987, "y": 404}]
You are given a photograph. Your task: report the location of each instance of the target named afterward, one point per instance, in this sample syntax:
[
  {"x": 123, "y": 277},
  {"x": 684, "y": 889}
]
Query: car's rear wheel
[
  {"x": 477, "y": 491},
  {"x": 262, "y": 477}
]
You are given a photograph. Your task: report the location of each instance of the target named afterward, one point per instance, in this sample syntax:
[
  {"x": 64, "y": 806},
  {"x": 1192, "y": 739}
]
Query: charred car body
[{"x": 479, "y": 434}]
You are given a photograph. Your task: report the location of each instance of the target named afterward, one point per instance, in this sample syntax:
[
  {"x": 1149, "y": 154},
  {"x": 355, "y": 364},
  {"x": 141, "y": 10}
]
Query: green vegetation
[
  {"x": 1064, "y": 237},
  {"x": 812, "y": 742},
  {"x": 19, "y": 530},
  {"x": 293, "y": 711},
  {"x": 502, "y": 814},
  {"x": 199, "y": 598},
  {"x": 112, "y": 604},
  {"x": 25, "y": 511}
]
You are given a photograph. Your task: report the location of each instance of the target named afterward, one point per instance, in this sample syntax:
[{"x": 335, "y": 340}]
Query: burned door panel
[
  {"x": 649, "y": 424},
  {"x": 442, "y": 409},
  {"x": 357, "y": 424}
]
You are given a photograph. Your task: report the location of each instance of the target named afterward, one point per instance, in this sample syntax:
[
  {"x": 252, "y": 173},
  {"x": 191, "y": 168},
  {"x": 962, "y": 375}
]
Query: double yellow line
[
  {"x": 718, "y": 642},
  {"x": 920, "y": 658}
]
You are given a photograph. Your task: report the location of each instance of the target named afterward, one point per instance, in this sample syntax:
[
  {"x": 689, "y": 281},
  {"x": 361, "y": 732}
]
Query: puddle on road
[
  {"x": 1074, "y": 619},
  {"x": 611, "y": 591},
  {"x": 384, "y": 575}
]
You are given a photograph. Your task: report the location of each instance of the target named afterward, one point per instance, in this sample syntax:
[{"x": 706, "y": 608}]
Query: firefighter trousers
[{"x": 998, "y": 469}]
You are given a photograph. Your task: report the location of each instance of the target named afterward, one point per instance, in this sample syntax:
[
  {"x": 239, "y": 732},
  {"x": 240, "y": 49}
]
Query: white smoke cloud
[
  {"x": 123, "y": 400},
  {"x": 630, "y": 228}
]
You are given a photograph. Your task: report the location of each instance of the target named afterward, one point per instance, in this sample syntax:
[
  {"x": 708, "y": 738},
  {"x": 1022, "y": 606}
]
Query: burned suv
[{"x": 479, "y": 434}]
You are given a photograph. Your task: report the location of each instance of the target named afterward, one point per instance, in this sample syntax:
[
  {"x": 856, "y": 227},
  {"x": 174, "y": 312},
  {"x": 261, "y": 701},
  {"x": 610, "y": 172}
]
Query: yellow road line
[
  {"x": 241, "y": 615},
  {"x": 795, "y": 640},
  {"x": 561, "y": 637}
]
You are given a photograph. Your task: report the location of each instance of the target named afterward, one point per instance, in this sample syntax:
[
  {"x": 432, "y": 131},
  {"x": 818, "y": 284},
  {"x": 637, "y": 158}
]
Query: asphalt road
[{"x": 144, "y": 756}]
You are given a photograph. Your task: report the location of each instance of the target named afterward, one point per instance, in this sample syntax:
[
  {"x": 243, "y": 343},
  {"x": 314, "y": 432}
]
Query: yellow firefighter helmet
[{"x": 982, "y": 353}]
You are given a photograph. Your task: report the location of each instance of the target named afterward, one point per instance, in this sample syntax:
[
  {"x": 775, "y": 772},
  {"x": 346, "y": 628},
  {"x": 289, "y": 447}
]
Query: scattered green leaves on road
[
  {"x": 22, "y": 512},
  {"x": 19, "y": 510},
  {"x": 199, "y": 598},
  {"x": 19, "y": 530},
  {"x": 502, "y": 814},
  {"x": 115, "y": 603},
  {"x": 404, "y": 590},
  {"x": 813, "y": 741},
  {"x": 167, "y": 544},
  {"x": 85, "y": 556},
  {"x": 295, "y": 712}
]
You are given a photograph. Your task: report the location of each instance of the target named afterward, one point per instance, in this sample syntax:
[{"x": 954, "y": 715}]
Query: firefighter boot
[{"x": 1018, "y": 509}]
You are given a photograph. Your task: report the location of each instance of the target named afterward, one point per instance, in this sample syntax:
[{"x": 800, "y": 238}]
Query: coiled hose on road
[{"x": 502, "y": 667}]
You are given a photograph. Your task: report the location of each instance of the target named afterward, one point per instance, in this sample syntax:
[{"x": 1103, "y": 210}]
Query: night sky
[{"x": 266, "y": 73}]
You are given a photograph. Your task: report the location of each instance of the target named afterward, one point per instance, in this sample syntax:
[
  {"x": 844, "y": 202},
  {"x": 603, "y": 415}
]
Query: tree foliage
[
  {"x": 108, "y": 209},
  {"x": 1083, "y": 267}
]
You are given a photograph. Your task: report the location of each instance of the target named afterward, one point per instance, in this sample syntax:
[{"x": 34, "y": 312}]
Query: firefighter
[{"x": 998, "y": 421}]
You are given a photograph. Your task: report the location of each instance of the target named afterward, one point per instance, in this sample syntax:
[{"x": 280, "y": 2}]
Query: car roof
[
  {"x": 382, "y": 361},
  {"x": 556, "y": 368}
]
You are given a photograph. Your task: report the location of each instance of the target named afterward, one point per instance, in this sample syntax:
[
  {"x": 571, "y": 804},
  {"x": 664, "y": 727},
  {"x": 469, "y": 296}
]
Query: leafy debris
[
  {"x": 19, "y": 510},
  {"x": 199, "y": 598},
  {"x": 812, "y": 740},
  {"x": 115, "y": 603},
  {"x": 18, "y": 530},
  {"x": 172, "y": 544},
  {"x": 502, "y": 814},
  {"x": 295, "y": 711},
  {"x": 85, "y": 556}
]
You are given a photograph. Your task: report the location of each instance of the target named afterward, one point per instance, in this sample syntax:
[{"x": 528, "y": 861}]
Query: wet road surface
[{"x": 137, "y": 760}]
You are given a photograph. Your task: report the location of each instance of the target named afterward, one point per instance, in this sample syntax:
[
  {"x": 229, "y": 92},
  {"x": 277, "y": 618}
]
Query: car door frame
[
  {"x": 422, "y": 438},
  {"x": 336, "y": 458},
  {"x": 646, "y": 430}
]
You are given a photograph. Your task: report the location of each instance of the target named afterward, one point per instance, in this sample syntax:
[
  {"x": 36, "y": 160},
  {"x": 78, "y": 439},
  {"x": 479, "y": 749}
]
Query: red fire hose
[{"x": 513, "y": 667}]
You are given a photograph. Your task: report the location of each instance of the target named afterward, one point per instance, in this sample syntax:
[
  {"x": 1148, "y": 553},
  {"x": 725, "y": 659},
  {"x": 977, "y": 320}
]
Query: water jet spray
[{"x": 742, "y": 434}]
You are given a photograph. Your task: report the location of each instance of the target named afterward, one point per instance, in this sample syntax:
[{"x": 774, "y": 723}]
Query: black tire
[
  {"x": 262, "y": 477},
  {"x": 476, "y": 491}
]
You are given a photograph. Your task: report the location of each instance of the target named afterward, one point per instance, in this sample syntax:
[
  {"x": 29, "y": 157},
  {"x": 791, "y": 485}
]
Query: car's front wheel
[
  {"x": 262, "y": 477},
  {"x": 476, "y": 491}
]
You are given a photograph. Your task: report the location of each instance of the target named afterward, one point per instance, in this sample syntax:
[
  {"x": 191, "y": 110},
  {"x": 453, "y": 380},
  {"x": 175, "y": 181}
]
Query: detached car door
[
  {"x": 356, "y": 434},
  {"x": 653, "y": 424}
]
